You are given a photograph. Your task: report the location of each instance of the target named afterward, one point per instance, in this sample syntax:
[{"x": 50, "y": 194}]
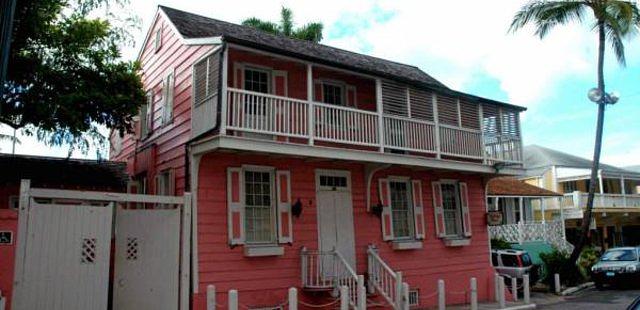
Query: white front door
[{"x": 335, "y": 213}]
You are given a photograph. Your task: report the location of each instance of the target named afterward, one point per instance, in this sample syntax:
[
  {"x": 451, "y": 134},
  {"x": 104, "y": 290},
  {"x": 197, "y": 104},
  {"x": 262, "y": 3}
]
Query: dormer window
[{"x": 158, "y": 40}]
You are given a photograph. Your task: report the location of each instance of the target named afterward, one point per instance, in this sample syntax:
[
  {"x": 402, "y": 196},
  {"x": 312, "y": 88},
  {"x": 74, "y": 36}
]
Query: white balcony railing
[
  {"x": 268, "y": 114},
  {"x": 551, "y": 232},
  {"x": 578, "y": 200},
  {"x": 384, "y": 279}
]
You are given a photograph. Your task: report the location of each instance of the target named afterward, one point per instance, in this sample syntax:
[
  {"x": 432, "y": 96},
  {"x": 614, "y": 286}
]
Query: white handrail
[{"x": 386, "y": 281}]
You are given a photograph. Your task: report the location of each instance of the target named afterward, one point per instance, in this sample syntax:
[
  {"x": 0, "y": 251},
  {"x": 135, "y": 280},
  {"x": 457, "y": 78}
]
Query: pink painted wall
[{"x": 264, "y": 281}]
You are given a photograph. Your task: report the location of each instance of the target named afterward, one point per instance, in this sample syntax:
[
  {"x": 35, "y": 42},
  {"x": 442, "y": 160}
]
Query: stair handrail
[
  {"x": 384, "y": 279},
  {"x": 346, "y": 276}
]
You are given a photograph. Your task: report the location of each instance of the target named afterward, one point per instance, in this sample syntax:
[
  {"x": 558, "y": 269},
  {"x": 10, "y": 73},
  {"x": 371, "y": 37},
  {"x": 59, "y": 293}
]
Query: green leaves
[
  {"x": 65, "y": 77},
  {"x": 309, "y": 32}
]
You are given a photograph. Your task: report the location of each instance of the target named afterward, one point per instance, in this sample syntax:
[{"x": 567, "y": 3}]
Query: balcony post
[
  {"x": 311, "y": 112},
  {"x": 223, "y": 91},
  {"x": 623, "y": 191},
  {"x": 379, "y": 109},
  {"x": 434, "y": 100},
  {"x": 482, "y": 140}
]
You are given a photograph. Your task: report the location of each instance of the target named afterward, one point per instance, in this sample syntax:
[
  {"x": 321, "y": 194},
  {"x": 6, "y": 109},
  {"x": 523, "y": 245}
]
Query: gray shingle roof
[
  {"x": 538, "y": 158},
  {"x": 635, "y": 168},
  {"x": 196, "y": 26}
]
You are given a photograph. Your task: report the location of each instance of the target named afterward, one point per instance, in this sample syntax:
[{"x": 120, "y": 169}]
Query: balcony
[
  {"x": 259, "y": 115},
  {"x": 578, "y": 200}
]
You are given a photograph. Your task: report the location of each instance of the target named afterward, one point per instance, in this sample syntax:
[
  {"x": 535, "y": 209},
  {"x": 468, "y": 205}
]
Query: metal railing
[
  {"x": 268, "y": 114},
  {"x": 328, "y": 270},
  {"x": 383, "y": 279}
]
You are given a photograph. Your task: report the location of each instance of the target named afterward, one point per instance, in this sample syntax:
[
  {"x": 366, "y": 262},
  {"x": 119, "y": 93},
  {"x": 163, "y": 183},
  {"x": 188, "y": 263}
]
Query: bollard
[
  {"x": 556, "y": 282},
  {"x": 362, "y": 294},
  {"x": 496, "y": 286},
  {"x": 293, "y": 299},
  {"x": 474, "y": 294},
  {"x": 501, "y": 300},
  {"x": 405, "y": 296},
  {"x": 233, "y": 300},
  {"x": 344, "y": 297},
  {"x": 525, "y": 288},
  {"x": 211, "y": 297},
  {"x": 441, "y": 297},
  {"x": 398, "y": 289},
  {"x": 514, "y": 288}
]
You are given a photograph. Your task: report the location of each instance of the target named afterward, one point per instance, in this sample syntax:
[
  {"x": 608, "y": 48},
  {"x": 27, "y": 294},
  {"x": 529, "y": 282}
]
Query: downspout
[{"x": 369, "y": 171}]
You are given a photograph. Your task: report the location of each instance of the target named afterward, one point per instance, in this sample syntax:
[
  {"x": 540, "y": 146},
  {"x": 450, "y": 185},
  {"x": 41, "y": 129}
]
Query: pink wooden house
[{"x": 311, "y": 165}]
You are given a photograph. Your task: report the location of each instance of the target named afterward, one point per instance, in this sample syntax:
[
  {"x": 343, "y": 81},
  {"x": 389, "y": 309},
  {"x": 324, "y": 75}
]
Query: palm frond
[
  {"x": 259, "y": 24},
  {"x": 286, "y": 22},
  {"x": 310, "y": 32},
  {"x": 9, "y": 138},
  {"x": 545, "y": 15}
]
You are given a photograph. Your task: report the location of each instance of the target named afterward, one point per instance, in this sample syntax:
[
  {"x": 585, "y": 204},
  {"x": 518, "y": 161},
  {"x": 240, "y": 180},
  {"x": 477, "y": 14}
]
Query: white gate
[
  {"x": 63, "y": 254},
  {"x": 146, "y": 259},
  {"x": 66, "y": 262}
]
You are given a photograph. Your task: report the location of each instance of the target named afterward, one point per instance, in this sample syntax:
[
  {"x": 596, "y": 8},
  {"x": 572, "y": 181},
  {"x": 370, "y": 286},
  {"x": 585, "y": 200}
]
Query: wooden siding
[
  {"x": 264, "y": 281},
  {"x": 170, "y": 139}
]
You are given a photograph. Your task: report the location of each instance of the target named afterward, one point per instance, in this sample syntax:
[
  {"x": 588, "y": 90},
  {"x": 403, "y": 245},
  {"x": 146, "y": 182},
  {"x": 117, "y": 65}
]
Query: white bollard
[
  {"x": 398, "y": 289},
  {"x": 474, "y": 294},
  {"x": 293, "y": 299},
  {"x": 556, "y": 281},
  {"x": 514, "y": 288},
  {"x": 525, "y": 288},
  {"x": 211, "y": 297},
  {"x": 496, "y": 286},
  {"x": 405, "y": 296},
  {"x": 362, "y": 294},
  {"x": 233, "y": 300},
  {"x": 501, "y": 300},
  {"x": 441, "y": 297},
  {"x": 344, "y": 297}
]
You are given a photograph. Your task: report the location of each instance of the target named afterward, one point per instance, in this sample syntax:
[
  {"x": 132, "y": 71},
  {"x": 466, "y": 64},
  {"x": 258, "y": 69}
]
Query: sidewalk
[{"x": 537, "y": 300}]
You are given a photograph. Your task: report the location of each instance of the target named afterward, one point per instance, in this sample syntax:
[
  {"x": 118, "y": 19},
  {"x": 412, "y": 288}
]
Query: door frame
[{"x": 319, "y": 188}]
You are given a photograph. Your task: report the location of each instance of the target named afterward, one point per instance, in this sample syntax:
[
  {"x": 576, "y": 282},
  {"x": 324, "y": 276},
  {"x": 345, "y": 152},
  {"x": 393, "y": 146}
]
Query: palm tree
[
  {"x": 13, "y": 140},
  {"x": 310, "y": 32},
  {"x": 613, "y": 20}
]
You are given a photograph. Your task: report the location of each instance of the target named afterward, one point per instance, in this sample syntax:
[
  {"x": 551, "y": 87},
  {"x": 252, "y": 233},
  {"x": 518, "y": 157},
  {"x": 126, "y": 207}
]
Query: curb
[
  {"x": 521, "y": 307},
  {"x": 575, "y": 289}
]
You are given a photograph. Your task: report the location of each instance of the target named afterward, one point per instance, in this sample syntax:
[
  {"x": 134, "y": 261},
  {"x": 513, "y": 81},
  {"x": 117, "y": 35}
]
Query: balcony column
[
  {"x": 542, "y": 209},
  {"x": 311, "y": 112},
  {"x": 434, "y": 99},
  {"x": 601, "y": 187},
  {"x": 481, "y": 121},
  {"x": 379, "y": 109},
  {"x": 623, "y": 191},
  {"x": 521, "y": 207},
  {"x": 223, "y": 93}
]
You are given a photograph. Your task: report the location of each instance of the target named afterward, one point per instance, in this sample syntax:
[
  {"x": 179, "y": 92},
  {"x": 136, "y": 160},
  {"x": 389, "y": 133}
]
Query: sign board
[
  {"x": 572, "y": 214},
  {"x": 494, "y": 218},
  {"x": 6, "y": 237}
]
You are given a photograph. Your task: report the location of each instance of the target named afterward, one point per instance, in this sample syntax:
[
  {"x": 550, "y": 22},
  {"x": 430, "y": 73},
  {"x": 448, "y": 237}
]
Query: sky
[{"x": 466, "y": 45}]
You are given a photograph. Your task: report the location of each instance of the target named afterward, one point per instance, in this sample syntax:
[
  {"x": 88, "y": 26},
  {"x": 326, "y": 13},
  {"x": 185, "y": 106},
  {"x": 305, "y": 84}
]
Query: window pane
[
  {"x": 451, "y": 206},
  {"x": 401, "y": 210},
  {"x": 258, "y": 207},
  {"x": 332, "y": 94}
]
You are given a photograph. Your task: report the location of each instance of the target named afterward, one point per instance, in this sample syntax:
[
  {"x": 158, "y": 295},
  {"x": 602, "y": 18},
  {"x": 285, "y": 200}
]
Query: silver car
[
  {"x": 514, "y": 264},
  {"x": 617, "y": 266}
]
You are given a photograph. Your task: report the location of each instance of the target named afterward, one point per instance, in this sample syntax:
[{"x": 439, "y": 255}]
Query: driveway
[{"x": 593, "y": 299}]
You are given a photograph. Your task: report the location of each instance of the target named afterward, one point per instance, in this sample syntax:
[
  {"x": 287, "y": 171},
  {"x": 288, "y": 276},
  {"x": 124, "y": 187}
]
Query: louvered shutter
[
  {"x": 448, "y": 110},
  {"x": 167, "y": 106},
  {"x": 280, "y": 83},
  {"x": 172, "y": 182},
  {"x": 466, "y": 213},
  {"x": 235, "y": 205},
  {"x": 385, "y": 199},
  {"x": 438, "y": 209},
  {"x": 394, "y": 99},
  {"x": 283, "y": 184},
  {"x": 418, "y": 209},
  {"x": 351, "y": 95},
  {"x": 159, "y": 185}
]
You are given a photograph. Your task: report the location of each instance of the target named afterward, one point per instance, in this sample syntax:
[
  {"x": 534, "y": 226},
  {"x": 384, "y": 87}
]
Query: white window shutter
[
  {"x": 438, "y": 209},
  {"x": 235, "y": 205},
  {"x": 283, "y": 185},
  {"x": 418, "y": 209},
  {"x": 466, "y": 214},
  {"x": 385, "y": 199},
  {"x": 167, "y": 110}
]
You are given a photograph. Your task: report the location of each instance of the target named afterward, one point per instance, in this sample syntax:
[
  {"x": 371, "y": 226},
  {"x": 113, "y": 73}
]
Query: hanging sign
[
  {"x": 494, "y": 218},
  {"x": 6, "y": 237}
]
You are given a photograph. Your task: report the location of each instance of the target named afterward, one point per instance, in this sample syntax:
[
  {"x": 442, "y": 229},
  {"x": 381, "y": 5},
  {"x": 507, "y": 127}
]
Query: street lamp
[{"x": 595, "y": 95}]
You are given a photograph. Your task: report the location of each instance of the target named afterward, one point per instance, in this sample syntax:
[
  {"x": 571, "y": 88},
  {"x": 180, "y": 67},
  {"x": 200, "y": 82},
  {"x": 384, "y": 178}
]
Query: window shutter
[
  {"x": 385, "y": 198},
  {"x": 351, "y": 95},
  {"x": 283, "y": 185},
  {"x": 167, "y": 107},
  {"x": 159, "y": 185},
  {"x": 235, "y": 205},
  {"x": 172, "y": 182},
  {"x": 466, "y": 214},
  {"x": 149, "y": 117},
  {"x": 318, "y": 96},
  {"x": 418, "y": 209},
  {"x": 438, "y": 209},
  {"x": 280, "y": 83}
]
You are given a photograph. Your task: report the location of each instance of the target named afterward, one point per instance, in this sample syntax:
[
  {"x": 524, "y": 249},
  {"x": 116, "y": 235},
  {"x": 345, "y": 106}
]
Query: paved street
[{"x": 593, "y": 299}]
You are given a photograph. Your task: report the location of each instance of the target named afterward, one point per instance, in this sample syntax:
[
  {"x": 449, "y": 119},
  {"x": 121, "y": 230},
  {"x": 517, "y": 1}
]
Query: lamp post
[{"x": 595, "y": 95}]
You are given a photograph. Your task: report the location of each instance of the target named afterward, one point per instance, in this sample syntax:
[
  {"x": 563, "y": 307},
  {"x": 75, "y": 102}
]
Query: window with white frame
[
  {"x": 167, "y": 105},
  {"x": 157, "y": 43},
  {"x": 401, "y": 206},
  {"x": 257, "y": 80},
  {"x": 569, "y": 187},
  {"x": 332, "y": 93},
  {"x": 452, "y": 209},
  {"x": 259, "y": 206}
]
